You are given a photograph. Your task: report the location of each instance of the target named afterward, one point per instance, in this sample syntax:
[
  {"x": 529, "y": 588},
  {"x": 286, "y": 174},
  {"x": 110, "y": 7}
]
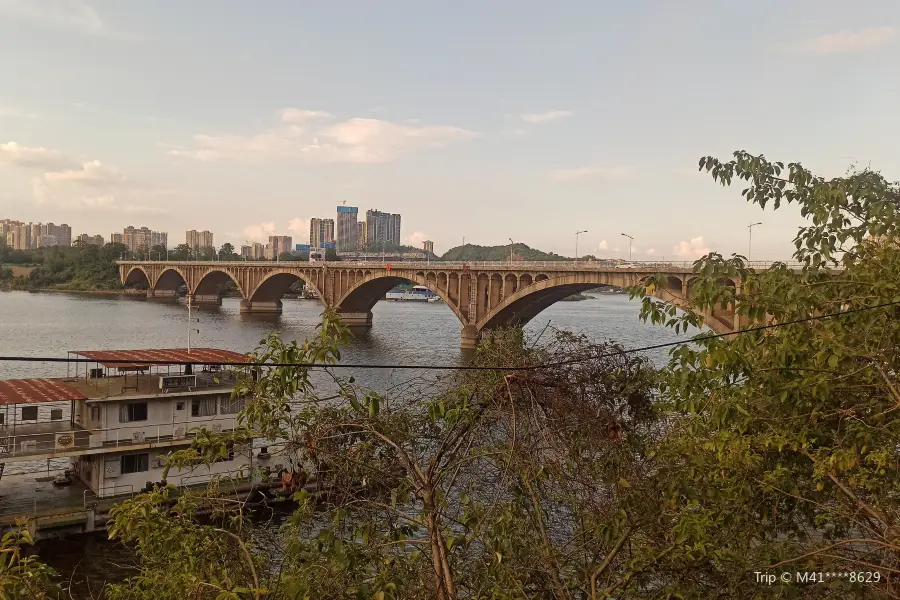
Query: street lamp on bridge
[
  {"x": 511, "y": 244},
  {"x": 630, "y": 239},
  {"x": 577, "y": 233},
  {"x": 750, "y": 238}
]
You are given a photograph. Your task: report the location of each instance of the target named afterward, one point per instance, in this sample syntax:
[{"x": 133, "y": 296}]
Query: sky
[{"x": 485, "y": 121}]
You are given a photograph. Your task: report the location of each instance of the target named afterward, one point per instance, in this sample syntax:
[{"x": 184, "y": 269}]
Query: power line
[{"x": 47, "y": 359}]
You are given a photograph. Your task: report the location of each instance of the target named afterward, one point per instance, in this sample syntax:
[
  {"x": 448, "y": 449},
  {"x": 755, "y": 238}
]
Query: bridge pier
[
  {"x": 161, "y": 294},
  {"x": 263, "y": 308},
  {"x": 359, "y": 319},
  {"x": 206, "y": 300},
  {"x": 469, "y": 337}
]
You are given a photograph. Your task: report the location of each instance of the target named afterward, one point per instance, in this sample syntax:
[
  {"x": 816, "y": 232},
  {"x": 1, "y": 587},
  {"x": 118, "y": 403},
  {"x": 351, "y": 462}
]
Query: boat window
[
  {"x": 29, "y": 413},
  {"x": 56, "y": 414},
  {"x": 132, "y": 411},
  {"x": 203, "y": 407},
  {"x": 95, "y": 413},
  {"x": 135, "y": 463},
  {"x": 231, "y": 406}
]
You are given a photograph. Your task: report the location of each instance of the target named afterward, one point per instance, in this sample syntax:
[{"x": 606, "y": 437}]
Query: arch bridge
[{"x": 483, "y": 295}]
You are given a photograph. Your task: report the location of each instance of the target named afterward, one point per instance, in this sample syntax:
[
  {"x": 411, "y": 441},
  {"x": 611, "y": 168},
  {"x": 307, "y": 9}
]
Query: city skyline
[{"x": 487, "y": 123}]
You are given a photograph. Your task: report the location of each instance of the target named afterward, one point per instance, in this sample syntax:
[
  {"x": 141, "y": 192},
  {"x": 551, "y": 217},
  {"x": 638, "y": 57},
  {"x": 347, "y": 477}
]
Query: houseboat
[
  {"x": 418, "y": 293},
  {"x": 115, "y": 420}
]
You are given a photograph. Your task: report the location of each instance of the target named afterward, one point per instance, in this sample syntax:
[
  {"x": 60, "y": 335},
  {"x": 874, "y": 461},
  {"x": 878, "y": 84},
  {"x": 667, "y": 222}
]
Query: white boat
[{"x": 418, "y": 293}]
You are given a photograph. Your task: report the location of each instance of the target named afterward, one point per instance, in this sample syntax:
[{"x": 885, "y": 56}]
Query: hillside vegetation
[
  {"x": 519, "y": 251},
  {"x": 73, "y": 268}
]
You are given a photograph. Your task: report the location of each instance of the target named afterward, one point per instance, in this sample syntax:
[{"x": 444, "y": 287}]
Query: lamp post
[
  {"x": 750, "y": 238},
  {"x": 630, "y": 239},
  {"x": 511, "y": 244},
  {"x": 577, "y": 233}
]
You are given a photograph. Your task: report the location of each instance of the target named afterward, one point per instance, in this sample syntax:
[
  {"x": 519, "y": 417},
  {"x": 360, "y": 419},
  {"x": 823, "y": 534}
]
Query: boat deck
[{"x": 146, "y": 385}]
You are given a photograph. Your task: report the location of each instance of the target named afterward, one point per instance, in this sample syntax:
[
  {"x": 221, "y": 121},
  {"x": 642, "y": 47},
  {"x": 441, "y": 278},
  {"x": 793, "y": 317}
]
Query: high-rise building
[
  {"x": 52, "y": 235},
  {"x": 89, "y": 240},
  {"x": 321, "y": 231},
  {"x": 7, "y": 226},
  {"x": 19, "y": 236},
  {"x": 142, "y": 239},
  {"x": 253, "y": 251},
  {"x": 277, "y": 245},
  {"x": 361, "y": 239},
  {"x": 116, "y": 238},
  {"x": 159, "y": 238},
  {"x": 429, "y": 246},
  {"x": 45, "y": 241},
  {"x": 382, "y": 228},
  {"x": 346, "y": 228},
  {"x": 199, "y": 239}
]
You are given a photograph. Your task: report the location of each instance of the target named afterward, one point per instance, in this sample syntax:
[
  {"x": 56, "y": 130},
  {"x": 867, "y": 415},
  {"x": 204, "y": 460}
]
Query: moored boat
[{"x": 418, "y": 293}]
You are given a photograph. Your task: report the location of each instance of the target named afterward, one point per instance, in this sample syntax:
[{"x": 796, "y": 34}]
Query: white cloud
[
  {"x": 110, "y": 203},
  {"x": 546, "y": 117},
  {"x": 259, "y": 232},
  {"x": 302, "y": 137},
  {"x": 603, "y": 245},
  {"x": 93, "y": 174},
  {"x": 298, "y": 116},
  {"x": 31, "y": 157},
  {"x": 651, "y": 251},
  {"x": 71, "y": 15},
  {"x": 848, "y": 41},
  {"x": 415, "y": 240},
  {"x": 692, "y": 249},
  {"x": 617, "y": 172},
  {"x": 616, "y": 250},
  {"x": 299, "y": 228}
]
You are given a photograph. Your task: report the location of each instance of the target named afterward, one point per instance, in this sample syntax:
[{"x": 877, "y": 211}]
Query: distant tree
[
  {"x": 226, "y": 252},
  {"x": 331, "y": 254},
  {"x": 158, "y": 252},
  {"x": 288, "y": 256},
  {"x": 207, "y": 253},
  {"x": 181, "y": 252}
]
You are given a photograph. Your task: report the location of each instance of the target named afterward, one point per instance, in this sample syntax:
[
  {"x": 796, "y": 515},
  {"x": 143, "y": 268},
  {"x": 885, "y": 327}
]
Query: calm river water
[{"x": 49, "y": 324}]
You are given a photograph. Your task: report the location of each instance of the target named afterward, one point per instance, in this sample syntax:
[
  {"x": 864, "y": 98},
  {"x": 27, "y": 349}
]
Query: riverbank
[
  {"x": 577, "y": 298},
  {"x": 122, "y": 292}
]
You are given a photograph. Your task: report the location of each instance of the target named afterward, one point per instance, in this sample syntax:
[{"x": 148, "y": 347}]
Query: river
[{"x": 49, "y": 324}]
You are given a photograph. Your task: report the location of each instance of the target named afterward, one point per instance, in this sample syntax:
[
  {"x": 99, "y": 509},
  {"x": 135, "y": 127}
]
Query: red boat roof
[
  {"x": 131, "y": 359},
  {"x": 30, "y": 391}
]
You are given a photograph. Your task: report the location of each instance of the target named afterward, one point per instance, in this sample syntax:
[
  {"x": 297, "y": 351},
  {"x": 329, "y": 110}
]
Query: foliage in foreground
[{"x": 589, "y": 475}]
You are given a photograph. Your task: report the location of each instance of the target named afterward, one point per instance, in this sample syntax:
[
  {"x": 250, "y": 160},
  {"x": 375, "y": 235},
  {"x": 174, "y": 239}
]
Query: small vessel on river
[{"x": 418, "y": 293}]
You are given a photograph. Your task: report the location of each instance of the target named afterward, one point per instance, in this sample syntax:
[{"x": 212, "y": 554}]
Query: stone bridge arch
[
  {"x": 355, "y": 305},
  {"x": 526, "y": 303},
  {"x": 137, "y": 278},
  {"x": 207, "y": 289},
  {"x": 265, "y": 296},
  {"x": 168, "y": 282}
]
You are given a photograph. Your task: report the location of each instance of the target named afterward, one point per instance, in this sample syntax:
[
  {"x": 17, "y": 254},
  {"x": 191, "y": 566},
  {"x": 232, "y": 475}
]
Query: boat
[{"x": 418, "y": 293}]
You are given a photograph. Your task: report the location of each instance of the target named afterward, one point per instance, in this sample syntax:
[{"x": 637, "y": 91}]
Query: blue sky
[{"x": 485, "y": 120}]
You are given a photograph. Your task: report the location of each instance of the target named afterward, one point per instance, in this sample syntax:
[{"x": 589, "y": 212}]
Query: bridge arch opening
[
  {"x": 136, "y": 279},
  {"x": 356, "y": 305},
  {"x": 213, "y": 285},
  {"x": 170, "y": 280},
  {"x": 673, "y": 286},
  {"x": 266, "y": 297}
]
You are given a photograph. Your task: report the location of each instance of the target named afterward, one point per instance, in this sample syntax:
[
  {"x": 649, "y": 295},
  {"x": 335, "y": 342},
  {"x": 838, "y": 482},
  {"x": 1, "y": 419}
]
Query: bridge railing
[{"x": 563, "y": 265}]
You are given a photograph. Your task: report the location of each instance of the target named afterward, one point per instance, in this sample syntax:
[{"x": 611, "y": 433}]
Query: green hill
[{"x": 520, "y": 252}]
